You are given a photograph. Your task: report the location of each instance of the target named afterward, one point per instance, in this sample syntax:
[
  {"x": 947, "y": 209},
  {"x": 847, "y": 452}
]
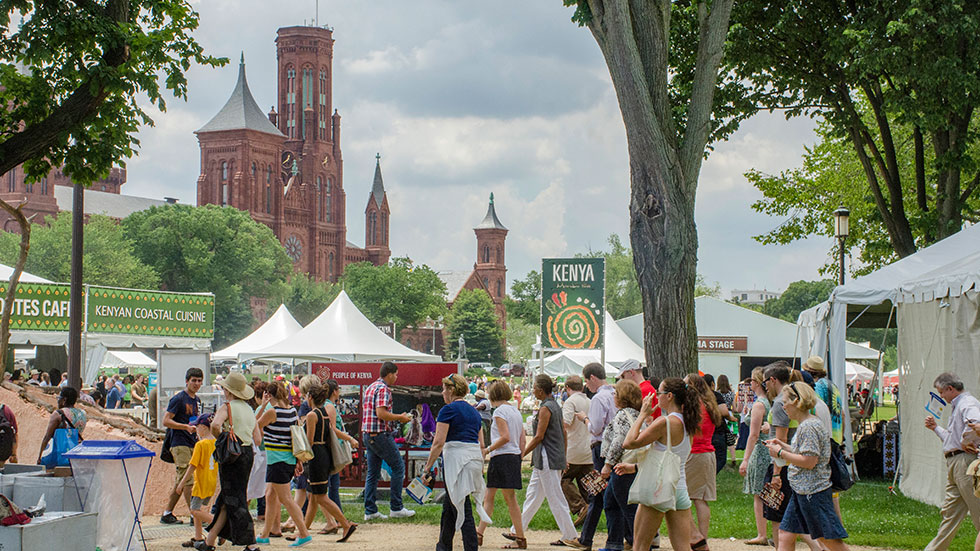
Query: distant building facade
[
  {"x": 753, "y": 296},
  {"x": 39, "y": 197},
  {"x": 286, "y": 168}
]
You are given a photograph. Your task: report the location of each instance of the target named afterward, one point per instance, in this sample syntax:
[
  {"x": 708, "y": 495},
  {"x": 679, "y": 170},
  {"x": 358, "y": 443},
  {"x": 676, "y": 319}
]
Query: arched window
[
  {"x": 322, "y": 107},
  {"x": 329, "y": 185},
  {"x": 500, "y": 255},
  {"x": 384, "y": 228},
  {"x": 499, "y": 287},
  {"x": 224, "y": 171},
  {"x": 330, "y": 267},
  {"x": 319, "y": 189},
  {"x": 486, "y": 253},
  {"x": 254, "y": 172},
  {"x": 44, "y": 185},
  {"x": 29, "y": 187},
  {"x": 290, "y": 113},
  {"x": 486, "y": 283},
  {"x": 328, "y": 206},
  {"x": 268, "y": 189},
  {"x": 12, "y": 180}
]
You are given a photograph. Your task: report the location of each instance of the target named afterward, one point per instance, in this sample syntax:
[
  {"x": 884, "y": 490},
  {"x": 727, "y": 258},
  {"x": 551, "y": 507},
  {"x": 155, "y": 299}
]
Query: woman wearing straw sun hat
[{"x": 233, "y": 522}]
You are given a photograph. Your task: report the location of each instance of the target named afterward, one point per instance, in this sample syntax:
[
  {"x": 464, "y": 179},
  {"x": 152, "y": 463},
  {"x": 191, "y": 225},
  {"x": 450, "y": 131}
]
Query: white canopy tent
[
  {"x": 7, "y": 271},
  {"x": 857, "y": 373},
  {"x": 619, "y": 348},
  {"x": 936, "y": 292},
  {"x": 341, "y": 333},
  {"x": 127, "y": 358},
  {"x": 280, "y": 326},
  {"x": 766, "y": 337}
]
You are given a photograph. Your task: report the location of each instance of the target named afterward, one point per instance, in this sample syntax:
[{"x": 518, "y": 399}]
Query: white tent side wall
[{"x": 933, "y": 337}]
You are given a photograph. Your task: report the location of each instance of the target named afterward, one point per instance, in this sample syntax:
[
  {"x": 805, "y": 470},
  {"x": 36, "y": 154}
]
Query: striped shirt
[{"x": 276, "y": 435}]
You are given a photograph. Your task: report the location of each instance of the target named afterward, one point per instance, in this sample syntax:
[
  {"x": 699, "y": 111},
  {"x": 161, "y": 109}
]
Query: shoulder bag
[
  {"x": 340, "y": 451},
  {"x": 63, "y": 440},
  {"x": 302, "y": 450},
  {"x": 166, "y": 455},
  {"x": 227, "y": 447},
  {"x": 840, "y": 474},
  {"x": 657, "y": 476}
]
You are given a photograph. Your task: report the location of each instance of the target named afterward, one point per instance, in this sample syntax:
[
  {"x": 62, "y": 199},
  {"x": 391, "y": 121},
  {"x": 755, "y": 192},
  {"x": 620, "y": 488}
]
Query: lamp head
[{"x": 841, "y": 216}]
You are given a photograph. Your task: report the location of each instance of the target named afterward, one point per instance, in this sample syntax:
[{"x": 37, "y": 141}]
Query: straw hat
[
  {"x": 236, "y": 384},
  {"x": 480, "y": 394},
  {"x": 814, "y": 364}
]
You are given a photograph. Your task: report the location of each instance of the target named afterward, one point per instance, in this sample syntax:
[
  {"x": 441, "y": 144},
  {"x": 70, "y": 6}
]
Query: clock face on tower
[{"x": 294, "y": 248}]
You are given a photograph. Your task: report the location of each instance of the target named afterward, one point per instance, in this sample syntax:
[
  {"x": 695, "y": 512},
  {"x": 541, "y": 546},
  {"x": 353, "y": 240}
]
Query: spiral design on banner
[{"x": 574, "y": 326}]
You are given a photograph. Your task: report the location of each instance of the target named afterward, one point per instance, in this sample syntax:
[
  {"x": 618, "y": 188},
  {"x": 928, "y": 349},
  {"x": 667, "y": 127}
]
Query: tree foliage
[
  {"x": 212, "y": 249},
  {"x": 898, "y": 82},
  {"x": 399, "y": 292},
  {"x": 108, "y": 256},
  {"x": 798, "y": 296},
  {"x": 524, "y": 302},
  {"x": 664, "y": 59},
  {"x": 473, "y": 316},
  {"x": 307, "y": 298},
  {"x": 521, "y": 337}
]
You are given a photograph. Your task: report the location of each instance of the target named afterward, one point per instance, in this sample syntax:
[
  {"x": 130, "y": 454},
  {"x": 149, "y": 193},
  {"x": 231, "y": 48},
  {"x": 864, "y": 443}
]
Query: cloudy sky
[{"x": 466, "y": 98}]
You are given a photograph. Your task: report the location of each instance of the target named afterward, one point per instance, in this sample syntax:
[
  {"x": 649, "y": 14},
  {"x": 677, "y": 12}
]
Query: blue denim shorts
[
  {"x": 813, "y": 514},
  {"x": 682, "y": 501}
]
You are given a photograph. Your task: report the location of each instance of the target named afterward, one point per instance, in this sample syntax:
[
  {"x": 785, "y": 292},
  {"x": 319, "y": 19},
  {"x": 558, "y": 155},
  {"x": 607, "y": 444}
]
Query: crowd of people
[{"x": 588, "y": 441}]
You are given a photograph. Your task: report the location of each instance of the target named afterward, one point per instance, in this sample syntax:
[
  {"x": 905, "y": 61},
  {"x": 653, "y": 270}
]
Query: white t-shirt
[
  {"x": 515, "y": 424},
  {"x": 823, "y": 413}
]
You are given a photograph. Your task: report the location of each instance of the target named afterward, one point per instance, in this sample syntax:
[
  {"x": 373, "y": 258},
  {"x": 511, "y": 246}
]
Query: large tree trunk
[
  {"x": 665, "y": 160},
  {"x": 8, "y": 302}
]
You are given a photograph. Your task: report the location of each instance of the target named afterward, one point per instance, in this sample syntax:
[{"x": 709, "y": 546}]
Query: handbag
[
  {"x": 593, "y": 483},
  {"x": 657, "y": 476},
  {"x": 302, "y": 450},
  {"x": 840, "y": 474},
  {"x": 340, "y": 451},
  {"x": 771, "y": 497},
  {"x": 227, "y": 447},
  {"x": 166, "y": 455},
  {"x": 62, "y": 441}
]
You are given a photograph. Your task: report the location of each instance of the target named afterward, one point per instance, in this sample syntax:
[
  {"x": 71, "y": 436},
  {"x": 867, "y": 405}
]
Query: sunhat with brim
[
  {"x": 236, "y": 384},
  {"x": 814, "y": 364}
]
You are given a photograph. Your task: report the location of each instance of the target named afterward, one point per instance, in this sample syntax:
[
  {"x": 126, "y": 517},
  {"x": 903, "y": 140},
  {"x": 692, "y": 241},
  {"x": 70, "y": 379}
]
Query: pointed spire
[
  {"x": 240, "y": 111},
  {"x": 490, "y": 221},
  {"x": 378, "y": 188}
]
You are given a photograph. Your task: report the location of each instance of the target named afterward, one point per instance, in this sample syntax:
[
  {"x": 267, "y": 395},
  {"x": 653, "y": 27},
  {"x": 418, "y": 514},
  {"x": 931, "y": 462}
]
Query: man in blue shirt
[
  {"x": 182, "y": 410},
  {"x": 114, "y": 399}
]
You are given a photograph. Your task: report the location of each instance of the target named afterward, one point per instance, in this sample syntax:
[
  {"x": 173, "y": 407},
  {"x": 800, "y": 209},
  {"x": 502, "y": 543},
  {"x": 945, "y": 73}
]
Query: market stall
[{"x": 279, "y": 326}]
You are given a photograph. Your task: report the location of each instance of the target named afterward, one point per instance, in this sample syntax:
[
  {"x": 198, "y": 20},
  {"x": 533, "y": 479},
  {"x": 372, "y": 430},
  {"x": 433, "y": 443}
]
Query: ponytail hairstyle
[
  {"x": 277, "y": 391},
  {"x": 688, "y": 402},
  {"x": 697, "y": 384},
  {"x": 317, "y": 395},
  {"x": 332, "y": 386}
]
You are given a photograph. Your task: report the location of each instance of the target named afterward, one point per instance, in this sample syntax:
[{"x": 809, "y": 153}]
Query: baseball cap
[{"x": 204, "y": 419}]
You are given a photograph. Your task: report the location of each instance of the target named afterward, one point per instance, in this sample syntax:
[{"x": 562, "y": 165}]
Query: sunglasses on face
[{"x": 792, "y": 387}]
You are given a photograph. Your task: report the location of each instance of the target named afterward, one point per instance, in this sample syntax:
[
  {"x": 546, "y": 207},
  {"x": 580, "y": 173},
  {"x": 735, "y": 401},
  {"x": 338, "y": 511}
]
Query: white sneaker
[
  {"x": 376, "y": 516},
  {"x": 656, "y": 541},
  {"x": 403, "y": 513}
]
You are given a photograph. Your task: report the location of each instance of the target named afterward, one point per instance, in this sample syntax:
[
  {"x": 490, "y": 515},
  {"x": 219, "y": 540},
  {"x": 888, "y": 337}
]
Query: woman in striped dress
[{"x": 275, "y": 424}]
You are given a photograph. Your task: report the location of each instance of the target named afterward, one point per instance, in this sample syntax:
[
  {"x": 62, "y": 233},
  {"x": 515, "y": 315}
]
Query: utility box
[{"x": 64, "y": 530}]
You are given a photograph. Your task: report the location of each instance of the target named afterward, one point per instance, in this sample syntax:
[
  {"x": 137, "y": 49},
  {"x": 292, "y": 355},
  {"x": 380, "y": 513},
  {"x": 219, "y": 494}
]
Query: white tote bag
[
  {"x": 657, "y": 475},
  {"x": 256, "y": 479}
]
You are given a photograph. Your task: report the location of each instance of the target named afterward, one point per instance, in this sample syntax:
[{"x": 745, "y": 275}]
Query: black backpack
[{"x": 7, "y": 435}]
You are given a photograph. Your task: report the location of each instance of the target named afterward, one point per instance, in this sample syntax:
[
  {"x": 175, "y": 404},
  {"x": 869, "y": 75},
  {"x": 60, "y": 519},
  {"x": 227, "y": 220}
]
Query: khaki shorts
[
  {"x": 700, "y": 470},
  {"x": 182, "y": 458}
]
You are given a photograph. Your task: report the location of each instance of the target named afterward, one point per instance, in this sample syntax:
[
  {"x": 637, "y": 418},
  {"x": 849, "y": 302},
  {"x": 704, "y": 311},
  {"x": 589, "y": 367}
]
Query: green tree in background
[
  {"x": 896, "y": 84},
  {"x": 398, "y": 291},
  {"x": 108, "y": 256},
  {"x": 214, "y": 249},
  {"x": 524, "y": 302},
  {"x": 798, "y": 296},
  {"x": 474, "y": 317},
  {"x": 521, "y": 337},
  {"x": 307, "y": 298}
]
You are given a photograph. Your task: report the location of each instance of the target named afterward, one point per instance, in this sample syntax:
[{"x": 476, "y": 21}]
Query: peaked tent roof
[
  {"x": 768, "y": 336},
  {"x": 7, "y": 271},
  {"x": 341, "y": 333},
  {"x": 378, "y": 188},
  {"x": 619, "y": 348},
  {"x": 282, "y": 324},
  {"x": 490, "y": 221},
  {"x": 127, "y": 358},
  {"x": 240, "y": 111}
]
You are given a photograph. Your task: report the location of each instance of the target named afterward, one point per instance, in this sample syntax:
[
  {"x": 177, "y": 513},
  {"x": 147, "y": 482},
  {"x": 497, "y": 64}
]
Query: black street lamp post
[{"x": 841, "y": 228}]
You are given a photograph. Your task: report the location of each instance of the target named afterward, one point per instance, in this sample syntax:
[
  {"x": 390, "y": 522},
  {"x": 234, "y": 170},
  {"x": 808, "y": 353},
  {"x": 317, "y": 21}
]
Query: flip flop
[
  {"x": 557, "y": 543},
  {"x": 757, "y": 542},
  {"x": 700, "y": 546},
  {"x": 348, "y": 533},
  {"x": 328, "y": 531}
]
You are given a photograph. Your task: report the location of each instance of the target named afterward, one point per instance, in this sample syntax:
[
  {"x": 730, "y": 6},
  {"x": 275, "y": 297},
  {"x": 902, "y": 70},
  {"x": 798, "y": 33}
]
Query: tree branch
[{"x": 8, "y": 304}]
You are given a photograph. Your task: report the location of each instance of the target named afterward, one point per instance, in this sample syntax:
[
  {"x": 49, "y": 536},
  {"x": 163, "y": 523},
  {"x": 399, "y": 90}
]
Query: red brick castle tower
[
  {"x": 490, "y": 266},
  {"x": 286, "y": 169}
]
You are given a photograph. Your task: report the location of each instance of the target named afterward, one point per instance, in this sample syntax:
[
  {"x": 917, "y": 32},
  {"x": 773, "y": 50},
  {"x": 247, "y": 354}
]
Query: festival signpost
[{"x": 573, "y": 305}]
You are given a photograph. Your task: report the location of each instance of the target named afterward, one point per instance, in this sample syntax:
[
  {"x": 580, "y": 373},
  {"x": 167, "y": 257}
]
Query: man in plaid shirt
[{"x": 378, "y": 425}]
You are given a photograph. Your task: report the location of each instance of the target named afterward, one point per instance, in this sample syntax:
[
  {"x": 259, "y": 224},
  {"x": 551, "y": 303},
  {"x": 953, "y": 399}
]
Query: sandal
[
  {"x": 557, "y": 543},
  {"x": 509, "y": 535},
  {"x": 190, "y": 542},
  {"x": 757, "y": 541},
  {"x": 479, "y": 538},
  {"x": 700, "y": 546},
  {"x": 348, "y": 533},
  {"x": 519, "y": 543},
  {"x": 275, "y": 535},
  {"x": 328, "y": 531},
  {"x": 287, "y": 528}
]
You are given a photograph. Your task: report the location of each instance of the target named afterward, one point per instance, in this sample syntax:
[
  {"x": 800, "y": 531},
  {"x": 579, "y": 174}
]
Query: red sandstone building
[{"x": 286, "y": 168}]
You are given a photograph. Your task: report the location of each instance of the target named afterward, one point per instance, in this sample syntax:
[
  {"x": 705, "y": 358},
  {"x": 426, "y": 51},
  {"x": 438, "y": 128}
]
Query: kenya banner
[
  {"x": 572, "y": 302},
  {"x": 138, "y": 312}
]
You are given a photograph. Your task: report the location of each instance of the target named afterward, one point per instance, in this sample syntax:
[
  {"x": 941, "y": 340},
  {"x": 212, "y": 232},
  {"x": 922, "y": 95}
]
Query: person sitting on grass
[{"x": 203, "y": 470}]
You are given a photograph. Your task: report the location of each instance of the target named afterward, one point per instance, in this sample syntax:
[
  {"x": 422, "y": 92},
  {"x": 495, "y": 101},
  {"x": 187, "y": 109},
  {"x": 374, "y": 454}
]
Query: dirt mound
[{"x": 33, "y": 406}]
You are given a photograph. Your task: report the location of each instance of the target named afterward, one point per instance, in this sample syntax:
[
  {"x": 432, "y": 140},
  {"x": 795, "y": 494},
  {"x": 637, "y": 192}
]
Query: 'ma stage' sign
[
  {"x": 573, "y": 302},
  {"x": 723, "y": 344}
]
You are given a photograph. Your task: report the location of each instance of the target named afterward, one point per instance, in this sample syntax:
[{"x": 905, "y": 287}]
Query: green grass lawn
[{"x": 872, "y": 515}]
